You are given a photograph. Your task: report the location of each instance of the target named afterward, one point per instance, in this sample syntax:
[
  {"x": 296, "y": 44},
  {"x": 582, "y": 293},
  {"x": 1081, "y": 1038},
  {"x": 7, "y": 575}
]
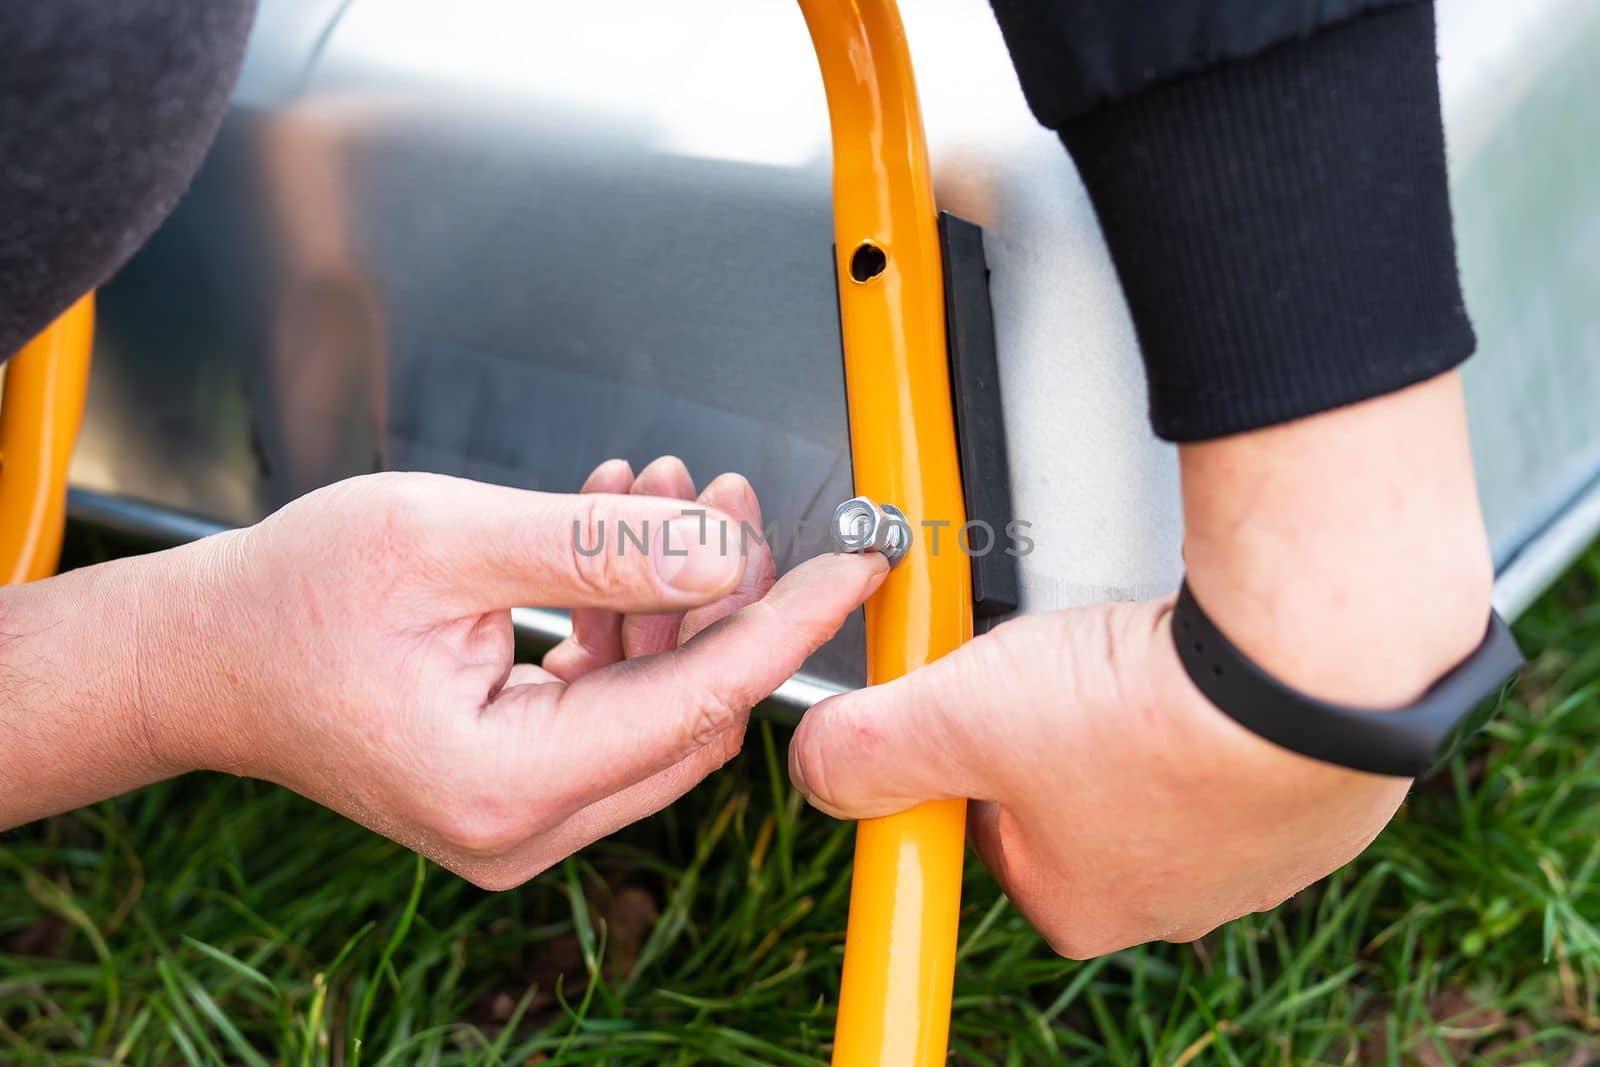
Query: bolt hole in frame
[{"x": 867, "y": 262}]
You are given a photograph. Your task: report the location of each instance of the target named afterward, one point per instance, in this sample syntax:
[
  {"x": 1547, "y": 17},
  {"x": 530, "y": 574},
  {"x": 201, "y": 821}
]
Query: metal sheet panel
[{"x": 508, "y": 239}]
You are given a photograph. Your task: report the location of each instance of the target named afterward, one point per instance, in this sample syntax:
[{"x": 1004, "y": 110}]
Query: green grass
[{"x": 214, "y": 920}]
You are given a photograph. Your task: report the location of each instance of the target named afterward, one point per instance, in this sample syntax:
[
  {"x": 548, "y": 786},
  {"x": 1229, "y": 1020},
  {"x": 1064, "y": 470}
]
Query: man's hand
[
  {"x": 1344, "y": 553},
  {"x": 1116, "y": 805},
  {"x": 357, "y": 648}
]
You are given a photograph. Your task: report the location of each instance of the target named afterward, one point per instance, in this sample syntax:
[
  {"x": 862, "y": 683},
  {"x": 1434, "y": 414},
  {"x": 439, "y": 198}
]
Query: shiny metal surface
[
  {"x": 1522, "y": 118},
  {"x": 504, "y": 239},
  {"x": 861, "y": 525}
]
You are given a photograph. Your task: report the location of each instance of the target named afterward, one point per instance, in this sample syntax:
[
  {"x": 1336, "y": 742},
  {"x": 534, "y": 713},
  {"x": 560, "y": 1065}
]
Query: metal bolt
[{"x": 859, "y": 525}]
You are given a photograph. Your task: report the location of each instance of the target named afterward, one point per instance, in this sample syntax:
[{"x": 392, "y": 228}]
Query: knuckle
[
  {"x": 494, "y": 877},
  {"x": 725, "y": 746},
  {"x": 482, "y": 830},
  {"x": 1076, "y": 944},
  {"x": 712, "y": 716},
  {"x": 1269, "y": 900},
  {"x": 592, "y": 550},
  {"x": 388, "y": 512},
  {"x": 711, "y": 711},
  {"x": 386, "y": 488},
  {"x": 1077, "y": 932},
  {"x": 1185, "y": 935}
]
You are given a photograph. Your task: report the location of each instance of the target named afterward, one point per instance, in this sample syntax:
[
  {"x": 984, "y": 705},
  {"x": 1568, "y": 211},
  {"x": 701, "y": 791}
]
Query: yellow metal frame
[
  {"x": 899, "y": 963},
  {"x": 45, "y": 386}
]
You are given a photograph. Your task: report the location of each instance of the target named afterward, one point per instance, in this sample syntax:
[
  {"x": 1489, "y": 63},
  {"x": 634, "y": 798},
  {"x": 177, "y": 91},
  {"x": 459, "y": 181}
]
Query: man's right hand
[
  {"x": 357, "y": 647},
  {"x": 1343, "y": 552}
]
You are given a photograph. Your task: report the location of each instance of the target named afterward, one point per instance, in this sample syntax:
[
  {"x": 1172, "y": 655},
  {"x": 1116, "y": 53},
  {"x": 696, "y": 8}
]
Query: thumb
[
  {"x": 622, "y": 724},
  {"x": 926, "y": 736}
]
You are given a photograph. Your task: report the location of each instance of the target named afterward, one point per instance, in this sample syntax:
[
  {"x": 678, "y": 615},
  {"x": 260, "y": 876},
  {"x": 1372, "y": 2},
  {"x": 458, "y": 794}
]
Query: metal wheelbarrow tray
[{"x": 508, "y": 240}]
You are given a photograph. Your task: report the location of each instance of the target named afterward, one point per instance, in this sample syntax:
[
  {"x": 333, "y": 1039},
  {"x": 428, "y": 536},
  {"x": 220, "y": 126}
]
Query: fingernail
[{"x": 692, "y": 557}]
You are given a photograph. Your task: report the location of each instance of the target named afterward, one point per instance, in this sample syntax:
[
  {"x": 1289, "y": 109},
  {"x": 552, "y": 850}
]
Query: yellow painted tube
[
  {"x": 45, "y": 387},
  {"x": 899, "y": 963}
]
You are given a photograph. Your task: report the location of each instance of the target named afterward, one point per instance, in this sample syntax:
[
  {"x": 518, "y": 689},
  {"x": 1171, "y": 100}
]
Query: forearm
[
  {"x": 1345, "y": 552},
  {"x": 77, "y": 721},
  {"x": 1280, "y": 221}
]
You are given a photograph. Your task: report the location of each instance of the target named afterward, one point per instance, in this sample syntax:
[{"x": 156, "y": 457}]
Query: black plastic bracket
[{"x": 980, "y": 418}]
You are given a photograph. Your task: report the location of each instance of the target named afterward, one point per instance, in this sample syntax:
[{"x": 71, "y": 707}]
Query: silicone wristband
[{"x": 1405, "y": 742}]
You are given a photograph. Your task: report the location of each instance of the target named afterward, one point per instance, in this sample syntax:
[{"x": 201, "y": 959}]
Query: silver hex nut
[{"x": 860, "y": 525}]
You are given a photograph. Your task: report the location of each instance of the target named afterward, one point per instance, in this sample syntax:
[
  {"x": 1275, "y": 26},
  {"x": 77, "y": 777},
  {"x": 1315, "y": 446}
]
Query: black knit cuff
[{"x": 1281, "y": 226}]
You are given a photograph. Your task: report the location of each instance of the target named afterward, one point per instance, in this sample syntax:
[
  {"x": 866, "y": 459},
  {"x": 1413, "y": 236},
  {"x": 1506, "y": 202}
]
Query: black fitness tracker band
[{"x": 1404, "y": 741}]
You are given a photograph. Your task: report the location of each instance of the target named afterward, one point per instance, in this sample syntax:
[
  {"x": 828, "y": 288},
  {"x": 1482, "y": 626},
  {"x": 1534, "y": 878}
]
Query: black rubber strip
[{"x": 1405, "y": 742}]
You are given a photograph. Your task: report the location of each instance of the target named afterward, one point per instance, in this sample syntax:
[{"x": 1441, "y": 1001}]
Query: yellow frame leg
[
  {"x": 899, "y": 963},
  {"x": 45, "y": 387}
]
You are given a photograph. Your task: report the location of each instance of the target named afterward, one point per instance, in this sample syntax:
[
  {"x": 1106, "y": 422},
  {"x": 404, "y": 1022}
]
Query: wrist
[
  {"x": 187, "y": 679},
  {"x": 1345, "y": 554},
  {"x": 74, "y": 726},
  {"x": 111, "y": 680},
  {"x": 1370, "y": 622}
]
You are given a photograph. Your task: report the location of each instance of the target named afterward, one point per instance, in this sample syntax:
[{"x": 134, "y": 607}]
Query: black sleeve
[
  {"x": 106, "y": 109},
  {"x": 1270, "y": 180}
]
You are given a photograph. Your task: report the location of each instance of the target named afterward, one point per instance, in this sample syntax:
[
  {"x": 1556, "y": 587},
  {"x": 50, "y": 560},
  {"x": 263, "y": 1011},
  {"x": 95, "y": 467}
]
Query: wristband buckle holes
[{"x": 1200, "y": 650}]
